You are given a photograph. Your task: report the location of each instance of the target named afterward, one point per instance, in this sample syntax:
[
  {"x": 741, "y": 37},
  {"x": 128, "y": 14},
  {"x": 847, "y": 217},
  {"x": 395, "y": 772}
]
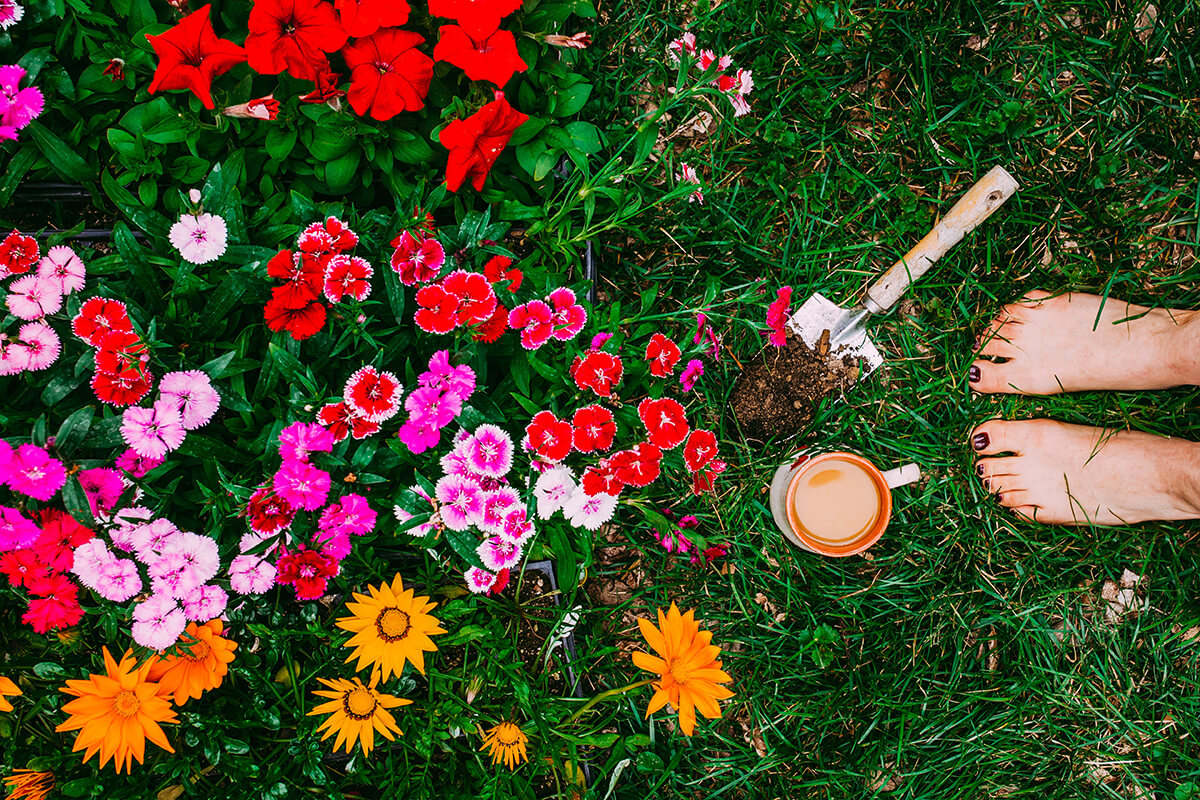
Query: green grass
[{"x": 971, "y": 657}]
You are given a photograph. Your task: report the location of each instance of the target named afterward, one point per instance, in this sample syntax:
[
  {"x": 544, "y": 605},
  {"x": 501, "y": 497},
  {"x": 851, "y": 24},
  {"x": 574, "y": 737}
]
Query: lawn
[{"x": 967, "y": 655}]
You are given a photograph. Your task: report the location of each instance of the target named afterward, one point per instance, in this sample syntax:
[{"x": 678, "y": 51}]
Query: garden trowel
[{"x": 836, "y": 332}]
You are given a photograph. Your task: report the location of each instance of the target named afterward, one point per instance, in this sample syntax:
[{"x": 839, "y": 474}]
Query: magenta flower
[
  {"x": 302, "y": 485},
  {"x": 420, "y": 435},
  {"x": 691, "y": 373},
  {"x": 490, "y": 451},
  {"x": 103, "y": 487},
  {"x": 192, "y": 393},
  {"x": 350, "y": 515},
  {"x": 777, "y": 316},
  {"x": 16, "y": 530},
  {"x": 496, "y": 504},
  {"x": 459, "y": 381},
  {"x": 33, "y": 297},
  {"x": 499, "y": 553},
  {"x": 435, "y": 405},
  {"x": 299, "y": 439},
  {"x": 18, "y": 107},
  {"x": 63, "y": 268},
  {"x": 10, "y": 13},
  {"x": 34, "y": 472},
  {"x": 153, "y": 432},
  {"x": 569, "y": 317},
  {"x": 479, "y": 581},
  {"x": 535, "y": 321},
  {"x": 461, "y": 499},
  {"x": 517, "y": 527},
  {"x": 158, "y": 622},
  {"x": 334, "y": 544},
  {"x": 136, "y": 465}
]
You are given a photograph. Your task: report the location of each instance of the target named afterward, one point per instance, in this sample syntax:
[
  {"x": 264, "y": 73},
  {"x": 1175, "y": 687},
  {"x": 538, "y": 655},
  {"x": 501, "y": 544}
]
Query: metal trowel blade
[{"x": 824, "y": 325}]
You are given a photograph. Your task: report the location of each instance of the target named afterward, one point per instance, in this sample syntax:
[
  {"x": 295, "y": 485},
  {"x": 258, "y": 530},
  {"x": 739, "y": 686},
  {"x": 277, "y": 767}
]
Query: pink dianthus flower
[
  {"x": 34, "y": 472},
  {"x": 302, "y": 485},
  {"x": 157, "y": 622},
  {"x": 153, "y": 432}
]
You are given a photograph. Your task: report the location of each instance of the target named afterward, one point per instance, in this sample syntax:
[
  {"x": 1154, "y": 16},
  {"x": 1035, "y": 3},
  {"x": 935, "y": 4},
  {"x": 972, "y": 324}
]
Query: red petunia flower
[
  {"x": 493, "y": 58},
  {"x": 477, "y": 141},
  {"x": 497, "y": 269},
  {"x": 495, "y": 326},
  {"x": 666, "y": 424},
  {"x": 363, "y": 17},
  {"x": 98, "y": 317},
  {"x": 292, "y": 35},
  {"x": 307, "y": 571},
  {"x": 301, "y": 323},
  {"x": 549, "y": 436},
  {"x": 348, "y": 276},
  {"x": 373, "y": 395},
  {"x": 191, "y": 54},
  {"x": 388, "y": 74},
  {"x": 17, "y": 254},
  {"x": 116, "y": 69},
  {"x": 663, "y": 354},
  {"x": 480, "y": 18},
  {"x": 325, "y": 88},
  {"x": 598, "y": 371},
  {"x": 639, "y": 466},
  {"x": 594, "y": 428}
]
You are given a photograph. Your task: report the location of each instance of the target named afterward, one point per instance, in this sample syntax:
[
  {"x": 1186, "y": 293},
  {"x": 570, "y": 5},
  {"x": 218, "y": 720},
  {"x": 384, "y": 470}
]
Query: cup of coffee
[{"x": 835, "y": 504}]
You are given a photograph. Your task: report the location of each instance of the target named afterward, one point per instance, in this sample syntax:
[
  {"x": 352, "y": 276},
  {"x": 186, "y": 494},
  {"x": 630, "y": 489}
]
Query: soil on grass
[
  {"x": 538, "y": 615},
  {"x": 777, "y": 394}
]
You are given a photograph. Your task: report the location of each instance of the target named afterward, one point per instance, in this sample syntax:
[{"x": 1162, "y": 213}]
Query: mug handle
[{"x": 902, "y": 476}]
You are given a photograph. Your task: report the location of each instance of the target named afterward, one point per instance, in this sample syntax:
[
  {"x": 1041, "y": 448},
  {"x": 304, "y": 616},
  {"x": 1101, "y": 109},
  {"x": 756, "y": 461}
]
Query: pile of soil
[
  {"x": 777, "y": 394},
  {"x": 538, "y": 614}
]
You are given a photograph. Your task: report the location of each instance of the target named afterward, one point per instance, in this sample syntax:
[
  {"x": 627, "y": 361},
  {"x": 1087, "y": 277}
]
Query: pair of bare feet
[{"x": 1057, "y": 473}]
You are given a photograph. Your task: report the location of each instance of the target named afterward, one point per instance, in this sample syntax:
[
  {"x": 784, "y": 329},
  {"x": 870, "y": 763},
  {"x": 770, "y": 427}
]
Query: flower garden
[{"x": 366, "y": 371}]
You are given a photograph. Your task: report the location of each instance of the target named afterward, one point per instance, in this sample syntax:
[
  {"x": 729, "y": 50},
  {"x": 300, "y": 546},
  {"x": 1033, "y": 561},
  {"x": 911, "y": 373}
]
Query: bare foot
[
  {"x": 1055, "y": 344},
  {"x": 1079, "y": 475}
]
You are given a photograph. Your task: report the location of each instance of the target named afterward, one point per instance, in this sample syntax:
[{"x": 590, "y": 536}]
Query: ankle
[
  {"x": 1183, "y": 347},
  {"x": 1183, "y": 478}
]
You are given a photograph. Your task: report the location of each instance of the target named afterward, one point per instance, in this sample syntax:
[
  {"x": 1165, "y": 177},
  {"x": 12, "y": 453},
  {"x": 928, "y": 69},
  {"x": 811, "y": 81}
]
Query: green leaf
[
  {"x": 62, "y": 158},
  {"x": 585, "y": 137},
  {"x": 18, "y": 165},
  {"x": 80, "y": 787},
  {"x": 280, "y": 142},
  {"x": 73, "y": 429},
  {"x": 464, "y": 543},
  {"x": 395, "y": 293},
  {"x": 49, "y": 670},
  {"x": 571, "y": 100},
  {"x": 291, "y": 368},
  {"x": 528, "y": 129},
  {"x": 342, "y": 171},
  {"x": 76, "y": 503},
  {"x": 644, "y": 143}
]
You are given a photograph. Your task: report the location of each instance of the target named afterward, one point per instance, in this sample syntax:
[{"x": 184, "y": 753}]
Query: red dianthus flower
[
  {"x": 598, "y": 371},
  {"x": 666, "y": 424},
  {"x": 307, "y": 571},
  {"x": 663, "y": 354},
  {"x": 594, "y": 428},
  {"x": 549, "y": 436},
  {"x": 17, "y": 254}
]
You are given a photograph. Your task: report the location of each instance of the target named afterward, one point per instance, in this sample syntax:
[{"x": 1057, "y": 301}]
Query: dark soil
[
  {"x": 538, "y": 615},
  {"x": 778, "y": 393}
]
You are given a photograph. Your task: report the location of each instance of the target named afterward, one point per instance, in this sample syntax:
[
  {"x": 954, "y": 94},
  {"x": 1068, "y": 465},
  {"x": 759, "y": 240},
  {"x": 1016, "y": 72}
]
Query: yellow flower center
[
  {"x": 359, "y": 703},
  {"x": 126, "y": 703},
  {"x": 199, "y": 651},
  {"x": 392, "y": 624}
]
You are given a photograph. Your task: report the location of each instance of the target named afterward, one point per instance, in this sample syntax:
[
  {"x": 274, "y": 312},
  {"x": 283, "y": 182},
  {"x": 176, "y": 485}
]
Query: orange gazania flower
[
  {"x": 688, "y": 664},
  {"x": 7, "y": 687},
  {"x": 29, "y": 784},
  {"x": 201, "y": 662},
  {"x": 117, "y": 712}
]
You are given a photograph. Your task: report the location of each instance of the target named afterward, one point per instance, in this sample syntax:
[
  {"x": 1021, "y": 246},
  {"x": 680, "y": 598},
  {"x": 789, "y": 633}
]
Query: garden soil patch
[{"x": 777, "y": 394}]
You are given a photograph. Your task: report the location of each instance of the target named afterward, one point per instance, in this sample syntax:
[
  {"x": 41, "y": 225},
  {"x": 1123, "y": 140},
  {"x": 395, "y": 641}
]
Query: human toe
[
  {"x": 998, "y": 436},
  {"x": 989, "y": 377},
  {"x": 994, "y": 466}
]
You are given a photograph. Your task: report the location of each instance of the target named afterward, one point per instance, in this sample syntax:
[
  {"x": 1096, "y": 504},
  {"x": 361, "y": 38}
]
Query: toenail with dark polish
[
  {"x": 999, "y": 498},
  {"x": 979, "y": 468},
  {"x": 980, "y": 441},
  {"x": 987, "y": 484},
  {"x": 973, "y": 374}
]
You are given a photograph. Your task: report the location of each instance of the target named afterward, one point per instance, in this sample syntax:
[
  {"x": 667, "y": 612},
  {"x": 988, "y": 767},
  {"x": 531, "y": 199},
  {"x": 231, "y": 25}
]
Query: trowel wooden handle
[{"x": 980, "y": 201}]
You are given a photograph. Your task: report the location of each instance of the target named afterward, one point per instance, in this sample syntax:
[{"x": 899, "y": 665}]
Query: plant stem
[{"x": 605, "y": 695}]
